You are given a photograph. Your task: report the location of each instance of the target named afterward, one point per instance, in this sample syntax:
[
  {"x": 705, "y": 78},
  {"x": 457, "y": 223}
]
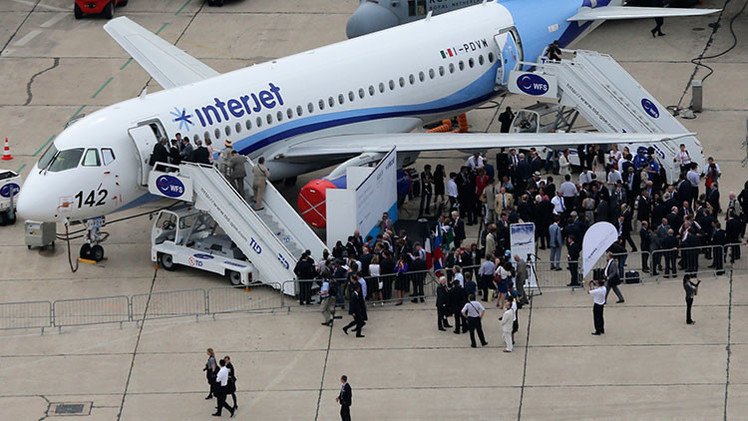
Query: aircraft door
[
  {"x": 145, "y": 136},
  {"x": 510, "y": 53}
]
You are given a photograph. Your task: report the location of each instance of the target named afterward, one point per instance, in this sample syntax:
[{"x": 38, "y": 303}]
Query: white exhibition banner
[
  {"x": 596, "y": 241},
  {"x": 368, "y": 194},
  {"x": 522, "y": 244},
  {"x": 377, "y": 194}
]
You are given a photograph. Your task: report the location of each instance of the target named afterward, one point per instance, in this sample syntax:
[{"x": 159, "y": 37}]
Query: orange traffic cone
[{"x": 6, "y": 151}]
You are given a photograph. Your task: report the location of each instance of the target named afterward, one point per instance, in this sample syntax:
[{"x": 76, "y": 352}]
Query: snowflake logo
[{"x": 182, "y": 118}]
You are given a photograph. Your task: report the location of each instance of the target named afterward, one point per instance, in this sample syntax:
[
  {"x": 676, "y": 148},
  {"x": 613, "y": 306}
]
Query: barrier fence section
[
  {"x": 187, "y": 302},
  {"x": 260, "y": 297},
  {"x": 26, "y": 315},
  {"x": 90, "y": 311}
]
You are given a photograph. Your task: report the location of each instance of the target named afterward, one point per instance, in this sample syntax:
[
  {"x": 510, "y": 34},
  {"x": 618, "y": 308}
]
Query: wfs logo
[
  {"x": 650, "y": 108},
  {"x": 10, "y": 189},
  {"x": 532, "y": 84},
  {"x": 170, "y": 186}
]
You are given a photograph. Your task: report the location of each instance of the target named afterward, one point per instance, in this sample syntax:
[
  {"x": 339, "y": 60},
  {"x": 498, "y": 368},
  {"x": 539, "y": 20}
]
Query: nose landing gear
[{"x": 92, "y": 249}]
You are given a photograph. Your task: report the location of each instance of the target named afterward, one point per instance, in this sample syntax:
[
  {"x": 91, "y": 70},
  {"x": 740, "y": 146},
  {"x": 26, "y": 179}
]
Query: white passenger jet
[{"x": 359, "y": 97}]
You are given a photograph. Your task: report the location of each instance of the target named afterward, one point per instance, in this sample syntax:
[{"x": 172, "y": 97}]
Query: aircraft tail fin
[{"x": 620, "y": 12}]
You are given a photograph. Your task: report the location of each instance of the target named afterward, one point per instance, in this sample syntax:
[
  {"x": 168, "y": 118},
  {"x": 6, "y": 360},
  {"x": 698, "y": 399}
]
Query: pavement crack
[
  {"x": 524, "y": 365},
  {"x": 324, "y": 369},
  {"x": 728, "y": 348},
  {"x": 29, "y": 94}
]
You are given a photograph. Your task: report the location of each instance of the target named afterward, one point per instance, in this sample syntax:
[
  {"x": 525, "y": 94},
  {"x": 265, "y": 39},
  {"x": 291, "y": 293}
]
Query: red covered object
[{"x": 312, "y": 202}]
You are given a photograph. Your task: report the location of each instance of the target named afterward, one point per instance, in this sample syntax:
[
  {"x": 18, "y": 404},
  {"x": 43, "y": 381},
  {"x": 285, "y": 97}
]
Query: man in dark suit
[
  {"x": 458, "y": 227},
  {"x": 506, "y": 119},
  {"x": 357, "y": 309},
  {"x": 643, "y": 207},
  {"x": 458, "y": 297},
  {"x": 719, "y": 239},
  {"x": 733, "y": 228},
  {"x": 160, "y": 153},
  {"x": 345, "y": 399},
  {"x": 574, "y": 250},
  {"x": 305, "y": 272},
  {"x": 612, "y": 277},
  {"x": 200, "y": 155},
  {"x": 442, "y": 304}
]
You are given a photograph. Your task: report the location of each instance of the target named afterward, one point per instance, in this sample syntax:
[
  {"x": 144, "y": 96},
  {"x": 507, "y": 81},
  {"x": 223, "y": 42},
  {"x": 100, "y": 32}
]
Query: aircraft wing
[
  {"x": 166, "y": 63},
  {"x": 621, "y": 12},
  {"x": 423, "y": 142}
]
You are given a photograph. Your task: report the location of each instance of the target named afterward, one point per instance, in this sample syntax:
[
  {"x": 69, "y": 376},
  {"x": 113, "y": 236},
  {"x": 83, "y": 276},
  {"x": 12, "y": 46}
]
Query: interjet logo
[{"x": 221, "y": 110}]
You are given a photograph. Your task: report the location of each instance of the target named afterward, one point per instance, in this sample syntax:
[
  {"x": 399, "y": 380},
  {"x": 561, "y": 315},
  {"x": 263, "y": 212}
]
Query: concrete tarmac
[{"x": 648, "y": 365}]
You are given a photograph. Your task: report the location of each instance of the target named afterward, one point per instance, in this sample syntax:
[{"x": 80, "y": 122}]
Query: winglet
[{"x": 166, "y": 63}]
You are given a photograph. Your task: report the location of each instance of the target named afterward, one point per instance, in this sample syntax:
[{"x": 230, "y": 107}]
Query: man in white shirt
[
  {"x": 558, "y": 204},
  {"x": 586, "y": 176},
  {"x": 507, "y": 321},
  {"x": 475, "y": 161},
  {"x": 222, "y": 380},
  {"x": 474, "y": 312},
  {"x": 327, "y": 302},
  {"x": 614, "y": 176},
  {"x": 452, "y": 190},
  {"x": 597, "y": 292}
]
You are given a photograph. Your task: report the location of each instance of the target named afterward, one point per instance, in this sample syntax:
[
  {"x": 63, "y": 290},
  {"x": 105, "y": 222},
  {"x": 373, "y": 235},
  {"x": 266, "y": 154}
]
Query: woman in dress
[
  {"x": 504, "y": 281},
  {"x": 211, "y": 371},
  {"x": 439, "y": 177},
  {"x": 372, "y": 282},
  {"x": 402, "y": 280}
]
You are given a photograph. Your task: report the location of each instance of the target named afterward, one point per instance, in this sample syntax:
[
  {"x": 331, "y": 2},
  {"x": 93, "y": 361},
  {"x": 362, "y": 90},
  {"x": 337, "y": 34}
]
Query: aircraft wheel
[
  {"x": 109, "y": 11},
  {"x": 167, "y": 262},
  {"x": 85, "y": 252},
  {"x": 235, "y": 278},
  {"x": 97, "y": 253}
]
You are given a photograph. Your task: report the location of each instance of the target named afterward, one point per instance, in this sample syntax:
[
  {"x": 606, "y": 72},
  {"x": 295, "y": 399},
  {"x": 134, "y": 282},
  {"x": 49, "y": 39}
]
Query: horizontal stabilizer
[
  {"x": 167, "y": 64},
  {"x": 621, "y": 12},
  {"x": 421, "y": 142}
]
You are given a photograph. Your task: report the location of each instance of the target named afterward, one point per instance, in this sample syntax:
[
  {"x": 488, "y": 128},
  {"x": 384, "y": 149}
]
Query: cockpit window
[
  {"x": 65, "y": 160},
  {"x": 91, "y": 159},
  {"x": 107, "y": 155},
  {"x": 47, "y": 157}
]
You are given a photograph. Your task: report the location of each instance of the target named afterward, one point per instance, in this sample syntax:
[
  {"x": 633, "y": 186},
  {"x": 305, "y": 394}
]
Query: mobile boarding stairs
[
  {"x": 609, "y": 98},
  {"x": 272, "y": 238}
]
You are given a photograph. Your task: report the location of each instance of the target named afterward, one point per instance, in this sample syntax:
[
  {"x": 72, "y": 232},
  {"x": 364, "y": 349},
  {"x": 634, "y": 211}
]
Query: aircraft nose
[
  {"x": 33, "y": 203},
  {"x": 370, "y": 17}
]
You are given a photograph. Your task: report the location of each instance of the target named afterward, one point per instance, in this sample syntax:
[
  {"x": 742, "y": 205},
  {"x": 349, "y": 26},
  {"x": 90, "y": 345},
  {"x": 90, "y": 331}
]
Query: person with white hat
[{"x": 225, "y": 157}]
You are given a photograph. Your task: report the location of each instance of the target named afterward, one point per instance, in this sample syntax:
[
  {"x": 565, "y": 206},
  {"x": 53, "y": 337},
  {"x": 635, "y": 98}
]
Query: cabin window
[
  {"x": 248, "y": 124},
  {"x": 402, "y": 82},
  {"x": 341, "y": 99},
  {"x": 258, "y": 121},
  {"x": 107, "y": 156},
  {"x": 461, "y": 65},
  {"x": 91, "y": 158},
  {"x": 411, "y": 79},
  {"x": 217, "y": 132},
  {"x": 321, "y": 104},
  {"x": 310, "y": 108},
  {"x": 431, "y": 73},
  {"x": 392, "y": 85},
  {"x": 416, "y": 7},
  {"x": 227, "y": 130},
  {"x": 351, "y": 96},
  {"x": 331, "y": 101},
  {"x": 238, "y": 127},
  {"x": 480, "y": 59},
  {"x": 490, "y": 57},
  {"x": 279, "y": 115},
  {"x": 206, "y": 136},
  {"x": 421, "y": 76},
  {"x": 471, "y": 63},
  {"x": 65, "y": 160},
  {"x": 269, "y": 118},
  {"x": 362, "y": 93},
  {"x": 195, "y": 138},
  {"x": 381, "y": 88},
  {"x": 299, "y": 111},
  {"x": 371, "y": 90},
  {"x": 451, "y": 67}
]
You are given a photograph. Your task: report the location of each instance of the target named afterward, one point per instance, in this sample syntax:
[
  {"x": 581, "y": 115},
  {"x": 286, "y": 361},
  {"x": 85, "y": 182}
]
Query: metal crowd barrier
[
  {"x": 26, "y": 315},
  {"x": 91, "y": 311},
  {"x": 187, "y": 302},
  {"x": 259, "y": 297}
]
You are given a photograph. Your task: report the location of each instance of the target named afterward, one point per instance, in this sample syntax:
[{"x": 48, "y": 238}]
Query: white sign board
[
  {"x": 341, "y": 214},
  {"x": 377, "y": 194},
  {"x": 534, "y": 84},
  {"x": 522, "y": 240}
]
